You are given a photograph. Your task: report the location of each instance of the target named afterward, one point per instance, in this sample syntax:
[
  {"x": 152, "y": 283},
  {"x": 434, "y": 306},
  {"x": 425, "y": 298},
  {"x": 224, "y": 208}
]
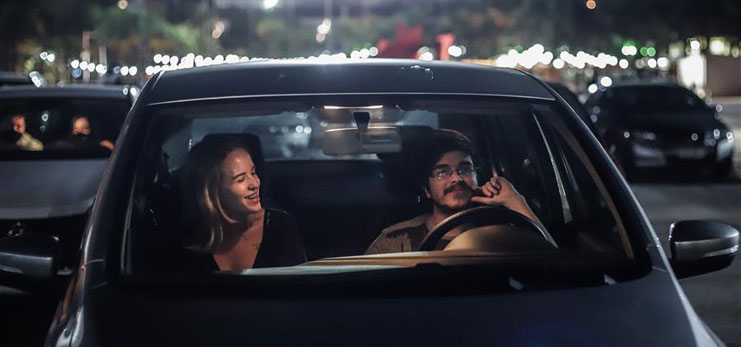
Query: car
[
  {"x": 49, "y": 179},
  {"x": 8, "y": 79},
  {"x": 652, "y": 125},
  {"x": 542, "y": 241}
]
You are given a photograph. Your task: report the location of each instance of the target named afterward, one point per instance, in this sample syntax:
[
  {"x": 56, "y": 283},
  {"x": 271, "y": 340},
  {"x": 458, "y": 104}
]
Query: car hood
[
  {"x": 48, "y": 188},
  {"x": 650, "y": 311},
  {"x": 672, "y": 121}
]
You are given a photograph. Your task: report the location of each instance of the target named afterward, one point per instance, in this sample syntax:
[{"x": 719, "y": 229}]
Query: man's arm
[
  {"x": 384, "y": 244},
  {"x": 29, "y": 143},
  {"x": 395, "y": 238},
  {"x": 499, "y": 191}
]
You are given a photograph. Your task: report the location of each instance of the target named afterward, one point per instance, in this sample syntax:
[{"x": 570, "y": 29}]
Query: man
[
  {"x": 81, "y": 133},
  {"x": 449, "y": 181},
  {"x": 25, "y": 141}
]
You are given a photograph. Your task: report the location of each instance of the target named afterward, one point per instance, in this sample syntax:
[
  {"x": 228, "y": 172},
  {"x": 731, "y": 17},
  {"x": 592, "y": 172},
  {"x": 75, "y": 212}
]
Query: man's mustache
[{"x": 459, "y": 185}]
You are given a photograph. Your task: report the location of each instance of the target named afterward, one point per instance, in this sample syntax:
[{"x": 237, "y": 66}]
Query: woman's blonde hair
[{"x": 201, "y": 186}]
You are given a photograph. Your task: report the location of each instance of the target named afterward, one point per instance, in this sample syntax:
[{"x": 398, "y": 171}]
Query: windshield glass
[
  {"x": 60, "y": 127},
  {"x": 252, "y": 186},
  {"x": 653, "y": 99}
]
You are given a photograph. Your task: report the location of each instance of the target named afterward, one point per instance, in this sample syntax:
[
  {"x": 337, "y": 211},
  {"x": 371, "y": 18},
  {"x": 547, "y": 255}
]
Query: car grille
[{"x": 681, "y": 138}]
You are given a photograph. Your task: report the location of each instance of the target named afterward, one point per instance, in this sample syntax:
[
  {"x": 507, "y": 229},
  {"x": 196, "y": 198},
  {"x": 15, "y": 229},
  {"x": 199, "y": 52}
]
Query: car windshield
[
  {"x": 60, "y": 127},
  {"x": 316, "y": 184},
  {"x": 653, "y": 99}
]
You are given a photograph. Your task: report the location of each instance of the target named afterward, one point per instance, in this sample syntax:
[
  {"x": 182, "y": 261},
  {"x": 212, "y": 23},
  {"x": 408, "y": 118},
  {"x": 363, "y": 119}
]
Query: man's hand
[
  {"x": 106, "y": 144},
  {"x": 498, "y": 191}
]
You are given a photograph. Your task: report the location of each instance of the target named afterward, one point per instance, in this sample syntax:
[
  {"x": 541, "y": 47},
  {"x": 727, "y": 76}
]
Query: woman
[{"x": 229, "y": 229}]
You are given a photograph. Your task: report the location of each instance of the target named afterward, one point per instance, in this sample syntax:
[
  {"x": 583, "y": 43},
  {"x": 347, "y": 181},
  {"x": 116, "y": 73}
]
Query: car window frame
[
  {"x": 544, "y": 161},
  {"x": 629, "y": 241},
  {"x": 55, "y": 154}
]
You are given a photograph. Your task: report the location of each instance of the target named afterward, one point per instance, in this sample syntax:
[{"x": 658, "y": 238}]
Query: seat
[
  {"x": 342, "y": 205},
  {"x": 337, "y": 204}
]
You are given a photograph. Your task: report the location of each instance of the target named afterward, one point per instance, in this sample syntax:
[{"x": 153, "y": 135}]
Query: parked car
[
  {"x": 660, "y": 125},
  {"x": 8, "y": 79},
  {"x": 54, "y": 146},
  {"x": 584, "y": 268}
]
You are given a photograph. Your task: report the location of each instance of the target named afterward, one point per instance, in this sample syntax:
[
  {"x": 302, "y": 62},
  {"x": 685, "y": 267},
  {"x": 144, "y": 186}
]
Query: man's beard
[{"x": 448, "y": 210}]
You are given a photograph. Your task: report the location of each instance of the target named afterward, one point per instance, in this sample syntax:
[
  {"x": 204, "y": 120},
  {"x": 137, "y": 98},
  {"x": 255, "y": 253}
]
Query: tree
[
  {"x": 133, "y": 34},
  {"x": 30, "y": 26}
]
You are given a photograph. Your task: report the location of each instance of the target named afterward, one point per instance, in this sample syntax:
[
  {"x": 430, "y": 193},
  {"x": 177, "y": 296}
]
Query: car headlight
[
  {"x": 645, "y": 135},
  {"x": 719, "y": 135}
]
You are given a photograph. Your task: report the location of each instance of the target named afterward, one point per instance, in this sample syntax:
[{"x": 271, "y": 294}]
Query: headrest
[{"x": 401, "y": 169}]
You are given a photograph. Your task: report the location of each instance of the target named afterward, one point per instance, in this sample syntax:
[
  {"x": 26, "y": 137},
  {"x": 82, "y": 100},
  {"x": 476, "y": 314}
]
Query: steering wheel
[{"x": 483, "y": 215}]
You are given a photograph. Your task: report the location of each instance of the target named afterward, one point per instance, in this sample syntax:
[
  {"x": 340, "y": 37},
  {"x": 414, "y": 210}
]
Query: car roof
[
  {"x": 14, "y": 78},
  {"x": 641, "y": 83},
  {"x": 67, "y": 91},
  {"x": 314, "y": 77}
]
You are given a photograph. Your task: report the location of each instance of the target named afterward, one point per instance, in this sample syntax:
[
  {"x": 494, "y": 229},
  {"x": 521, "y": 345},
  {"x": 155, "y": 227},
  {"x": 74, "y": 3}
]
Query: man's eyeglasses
[{"x": 445, "y": 172}]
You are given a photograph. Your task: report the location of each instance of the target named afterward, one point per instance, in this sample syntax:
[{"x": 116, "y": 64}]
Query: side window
[
  {"x": 593, "y": 225},
  {"x": 520, "y": 155}
]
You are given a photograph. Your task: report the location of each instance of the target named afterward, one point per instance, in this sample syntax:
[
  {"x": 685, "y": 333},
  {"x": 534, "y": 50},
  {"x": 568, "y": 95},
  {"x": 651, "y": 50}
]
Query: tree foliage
[
  {"x": 135, "y": 33},
  {"x": 485, "y": 27}
]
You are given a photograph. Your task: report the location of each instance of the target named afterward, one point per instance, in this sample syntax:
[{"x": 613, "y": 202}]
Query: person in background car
[
  {"x": 20, "y": 137},
  {"x": 448, "y": 177},
  {"x": 81, "y": 134},
  {"x": 230, "y": 229}
]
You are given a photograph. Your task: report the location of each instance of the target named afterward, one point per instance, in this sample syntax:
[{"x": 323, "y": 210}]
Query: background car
[
  {"x": 48, "y": 192},
  {"x": 660, "y": 125},
  {"x": 607, "y": 282},
  {"x": 8, "y": 79}
]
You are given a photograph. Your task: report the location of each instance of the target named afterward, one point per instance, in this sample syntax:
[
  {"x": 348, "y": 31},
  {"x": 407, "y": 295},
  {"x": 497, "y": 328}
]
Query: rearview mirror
[
  {"x": 700, "y": 246},
  {"x": 346, "y": 141},
  {"x": 346, "y": 114},
  {"x": 28, "y": 258}
]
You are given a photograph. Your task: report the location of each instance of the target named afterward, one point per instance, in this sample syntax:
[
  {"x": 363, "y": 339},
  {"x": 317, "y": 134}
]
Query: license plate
[{"x": 690, "y": 153}]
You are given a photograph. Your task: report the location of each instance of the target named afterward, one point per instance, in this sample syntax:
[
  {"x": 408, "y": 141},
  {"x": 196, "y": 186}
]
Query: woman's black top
[{"x": 281, "y": 246}]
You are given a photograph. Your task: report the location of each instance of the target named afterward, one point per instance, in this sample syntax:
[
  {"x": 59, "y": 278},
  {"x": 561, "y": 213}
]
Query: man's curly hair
[{"x": 441, "y": 142}]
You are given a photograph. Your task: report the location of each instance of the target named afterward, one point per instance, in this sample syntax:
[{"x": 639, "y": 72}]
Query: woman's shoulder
[
  {"x": 276, "y": 212},
  {"x": 278, "y": 217}
]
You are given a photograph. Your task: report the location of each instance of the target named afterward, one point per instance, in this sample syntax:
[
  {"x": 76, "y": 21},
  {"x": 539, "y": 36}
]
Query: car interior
[
  {"x": 342, "y": 202},
  {"x": 50, "y": 121}
]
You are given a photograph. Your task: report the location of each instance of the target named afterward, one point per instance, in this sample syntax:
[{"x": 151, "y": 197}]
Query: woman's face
[{"x": 240, "y": 189}]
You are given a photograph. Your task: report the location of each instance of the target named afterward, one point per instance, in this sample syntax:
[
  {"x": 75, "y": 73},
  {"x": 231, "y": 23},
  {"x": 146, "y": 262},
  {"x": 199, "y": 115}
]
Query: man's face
[
  {"x": 450, "y": 190},
  {"x": 81, "y": 126},
  {"x": 19, "y": 124}
]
